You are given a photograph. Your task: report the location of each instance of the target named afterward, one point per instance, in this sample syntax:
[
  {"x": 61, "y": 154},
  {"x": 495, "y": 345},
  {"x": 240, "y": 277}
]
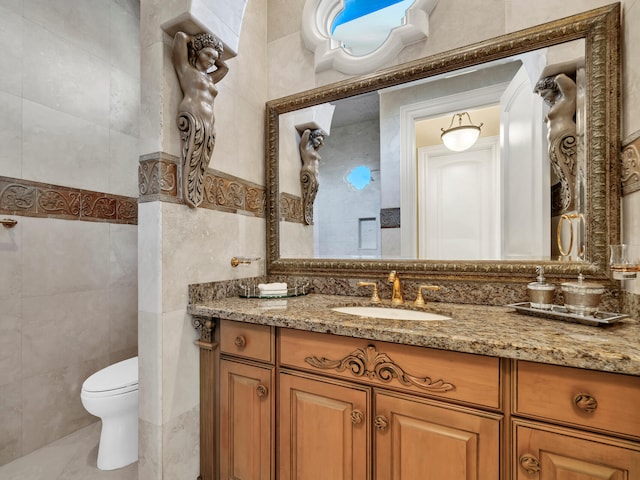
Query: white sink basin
[{"x": 390, "y": 313}]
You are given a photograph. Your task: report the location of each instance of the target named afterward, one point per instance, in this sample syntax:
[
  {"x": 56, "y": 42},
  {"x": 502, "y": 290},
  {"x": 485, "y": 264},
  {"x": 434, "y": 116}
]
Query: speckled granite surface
[
  {"x": 485, "y": 330},
  {"x": 478, "y": 293}
]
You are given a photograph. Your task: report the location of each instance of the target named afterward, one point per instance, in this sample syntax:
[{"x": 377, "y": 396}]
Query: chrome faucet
[{"x": 396, "y": 295}]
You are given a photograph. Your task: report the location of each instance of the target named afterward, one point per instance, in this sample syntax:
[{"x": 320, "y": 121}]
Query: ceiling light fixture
[{"x": 461, "y": 137}]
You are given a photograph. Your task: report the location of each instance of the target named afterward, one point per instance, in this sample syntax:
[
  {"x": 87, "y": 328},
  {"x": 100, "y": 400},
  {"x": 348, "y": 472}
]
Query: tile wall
[{"x": 69, "y": 123}]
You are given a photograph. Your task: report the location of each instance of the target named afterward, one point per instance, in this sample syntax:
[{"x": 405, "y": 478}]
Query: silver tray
[{"x": 559, "y": 312}]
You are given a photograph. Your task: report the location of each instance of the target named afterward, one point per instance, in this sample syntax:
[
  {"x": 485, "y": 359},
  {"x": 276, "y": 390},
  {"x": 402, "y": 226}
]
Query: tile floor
[{"x": 70, "y": 458}]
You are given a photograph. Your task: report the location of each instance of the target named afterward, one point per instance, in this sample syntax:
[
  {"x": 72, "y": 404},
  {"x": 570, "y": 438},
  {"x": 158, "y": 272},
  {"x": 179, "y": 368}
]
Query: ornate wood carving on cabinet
[{"x": 375, "y": 365}]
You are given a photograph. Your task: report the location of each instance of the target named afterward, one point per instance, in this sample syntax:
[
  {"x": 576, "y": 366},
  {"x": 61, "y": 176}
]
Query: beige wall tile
[
  {"x": 11, "y": 260},
  {"x": 180, "y": 380},
  {"x": 150, "y": 363},
  {"x": 229, "y": 133},
  {"x": 76, "y": 81},
  {"x": 76, "y": 329},
  {"x": 64, "y": 256},
  {"x": 125, "y": 103},
  {"x": 83, "y": 24},
  {"x": 154, "y": 13},
  {"x": 187, "y": 231},
  {"x": 124, "y": 27},
  {"x": 11, "y": 54},
  {"x": 150, "y": 257},
  {"x": 10, "y": 132},
  {"x": 290, "y": 67},
  {"x": 520, "y": 13},
  {"x": 82, "y": 163},
  {"x": 123, "y": 269},
  {"x": 10, "y": 422},
  {"x": 123, "y": 319},
  {"x": 123, "y": 164},
  {"x": 181, "y": 446},
  {"x": 249, "y": 162},
  {"x": 631, "y": 231},
  {"x": 10, "y": 342},
  {"x": 150, "y": 451},
  {"x": 631, "y": 69},
  {"x": 51, "y": 404},
  {"x": 280, "y": 15},
  {"x": 15, "y": 6}
]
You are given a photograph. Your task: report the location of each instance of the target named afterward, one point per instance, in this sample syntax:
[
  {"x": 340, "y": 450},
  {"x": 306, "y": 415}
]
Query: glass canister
[
  {"x": 582, "y": 298},
  {"x": 540, "y": 292}
]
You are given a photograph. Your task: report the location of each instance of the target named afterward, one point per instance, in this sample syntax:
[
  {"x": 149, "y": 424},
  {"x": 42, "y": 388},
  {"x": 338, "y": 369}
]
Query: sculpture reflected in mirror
[{"x": 425, "y": 208}]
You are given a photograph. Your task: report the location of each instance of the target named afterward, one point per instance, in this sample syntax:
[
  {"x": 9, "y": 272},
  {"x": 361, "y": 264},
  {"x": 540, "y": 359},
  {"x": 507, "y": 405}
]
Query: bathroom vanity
[{"x": 293, "y": 389}]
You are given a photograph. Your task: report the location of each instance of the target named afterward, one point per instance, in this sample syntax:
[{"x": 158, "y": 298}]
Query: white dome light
[{"x": 461, "y": 137}]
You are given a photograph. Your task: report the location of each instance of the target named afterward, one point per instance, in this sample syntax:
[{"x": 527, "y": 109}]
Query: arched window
[{"x": 360, "y": 36}]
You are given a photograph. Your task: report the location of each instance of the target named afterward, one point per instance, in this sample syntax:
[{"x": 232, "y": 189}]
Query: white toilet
[{"x": 112, "y": 395}]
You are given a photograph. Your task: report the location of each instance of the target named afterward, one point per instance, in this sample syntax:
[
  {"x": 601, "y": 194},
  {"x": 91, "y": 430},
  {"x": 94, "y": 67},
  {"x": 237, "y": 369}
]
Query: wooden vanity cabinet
[
  {"x": 360, "y": 409},
  {"x": 575, "y": 424},
  {"x": 323, "y": 428},
  {"x": 548, "y": 452},
  {"x": 347, "y": 408},
  {"x": 247, "y": 402},
  {"x": 419, "y": 439}
]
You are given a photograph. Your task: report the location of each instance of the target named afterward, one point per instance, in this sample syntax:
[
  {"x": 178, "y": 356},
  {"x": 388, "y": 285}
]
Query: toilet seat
[{"x": 116, "y": 379}]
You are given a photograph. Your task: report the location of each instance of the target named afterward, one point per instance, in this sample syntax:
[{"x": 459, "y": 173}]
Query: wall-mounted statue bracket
[
  {"x": 310, "y": 143},
  {"x": 559, "y": 92},
  {"x": 198, "y": 63}
]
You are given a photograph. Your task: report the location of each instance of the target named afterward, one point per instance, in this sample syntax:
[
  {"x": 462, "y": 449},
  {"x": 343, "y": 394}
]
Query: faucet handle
[
  {"x": 374, "y": 296},
  {"x": 419, "y": 301}
]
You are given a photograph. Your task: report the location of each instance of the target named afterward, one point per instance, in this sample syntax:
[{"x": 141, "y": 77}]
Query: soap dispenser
[{"x": 540, "y": 292}]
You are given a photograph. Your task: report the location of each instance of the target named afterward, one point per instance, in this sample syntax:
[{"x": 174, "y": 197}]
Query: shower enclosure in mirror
[{"x": 539, "y": 186}]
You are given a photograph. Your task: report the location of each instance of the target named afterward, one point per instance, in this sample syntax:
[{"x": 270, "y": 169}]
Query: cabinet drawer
[
  {"x": 247, "y": 340},
  {"x": 597, "y": 400},
  {"x": 456, "y": 376}
]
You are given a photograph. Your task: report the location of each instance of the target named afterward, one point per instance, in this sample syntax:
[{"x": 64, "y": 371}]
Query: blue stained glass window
[
  {"x": 359, "y": 8},
  {"x": 359, "y": 177},
  {"x": 364, "y": 25}
]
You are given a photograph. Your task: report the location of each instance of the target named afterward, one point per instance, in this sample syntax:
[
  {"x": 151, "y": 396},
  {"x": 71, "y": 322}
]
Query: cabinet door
[
  {"x": 246, "y": 406},
  {"x": 421, "y": 440},
  {"x": 553, "y": 453},
  {"x": 324, "y": 430}
]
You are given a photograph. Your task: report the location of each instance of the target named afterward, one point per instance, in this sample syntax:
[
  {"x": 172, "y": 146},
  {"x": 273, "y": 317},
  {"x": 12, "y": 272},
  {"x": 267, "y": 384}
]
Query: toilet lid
[{"x": 114, "y": 377}]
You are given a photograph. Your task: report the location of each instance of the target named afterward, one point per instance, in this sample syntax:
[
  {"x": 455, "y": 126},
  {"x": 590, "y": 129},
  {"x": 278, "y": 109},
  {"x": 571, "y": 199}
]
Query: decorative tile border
[
  {"x": 390, "y": 217},
  {"x": 159, "y": 180},
  {"x": 35, "y": 199},
  {"x": 291, "y": 209},
  {"x": 630, "y": 159}
]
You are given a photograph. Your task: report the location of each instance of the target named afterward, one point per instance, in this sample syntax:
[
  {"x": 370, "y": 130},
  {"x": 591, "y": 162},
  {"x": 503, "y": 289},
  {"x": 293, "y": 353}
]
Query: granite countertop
[{"x": 484, "y": 330}]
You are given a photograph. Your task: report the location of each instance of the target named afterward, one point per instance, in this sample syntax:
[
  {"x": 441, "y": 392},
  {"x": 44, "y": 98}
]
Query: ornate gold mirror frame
[{"x": 601, "y": 30}]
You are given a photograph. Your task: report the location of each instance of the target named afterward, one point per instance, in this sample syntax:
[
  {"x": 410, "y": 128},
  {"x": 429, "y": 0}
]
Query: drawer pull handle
[
  {"x": 240, "y": 342},
  {"x": 262, "y": 391},
  {"x": 381, "y": 423},
  {"x": 530, "y": 463},
  {"x": 585, "y": 402},
  {"x": 357, "y": 417}
]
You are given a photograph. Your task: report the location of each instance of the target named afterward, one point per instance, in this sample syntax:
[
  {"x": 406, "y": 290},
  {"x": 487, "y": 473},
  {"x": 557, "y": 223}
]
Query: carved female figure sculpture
[
  {"x": 193, "y": 58},
  {"x": 559, "y": 92},
  {"x": 310, "y": 143}
]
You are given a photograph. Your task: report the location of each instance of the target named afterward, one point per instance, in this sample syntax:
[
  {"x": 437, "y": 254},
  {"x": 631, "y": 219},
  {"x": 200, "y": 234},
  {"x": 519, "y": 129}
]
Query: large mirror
[{"x": 392, "y": 196}]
